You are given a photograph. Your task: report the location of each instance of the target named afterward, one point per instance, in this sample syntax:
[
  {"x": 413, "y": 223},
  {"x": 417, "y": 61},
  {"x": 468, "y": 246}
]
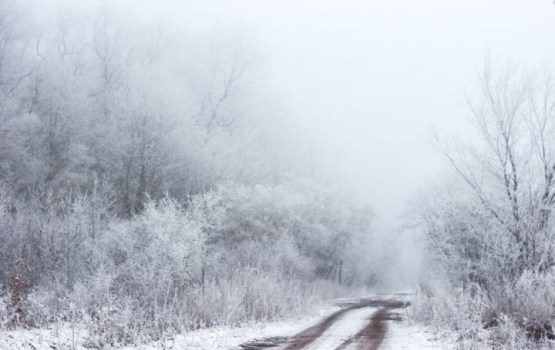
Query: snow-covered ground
[
  {"x": 231, "y": 337},
  {"x": 67, "y": 336},
  {"x": 405, "y": 336},
  {"x": 401, "y": 335},
  {"x": 59, "y": 336}
]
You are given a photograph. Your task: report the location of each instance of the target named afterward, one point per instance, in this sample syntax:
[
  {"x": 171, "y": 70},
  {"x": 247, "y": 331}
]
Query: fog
[
  {"x": 362, "y": 86},
  {"x": 368, "y": 80},
  {"x": 178, "y": 166},
  {"x": 366, "y": 83}
]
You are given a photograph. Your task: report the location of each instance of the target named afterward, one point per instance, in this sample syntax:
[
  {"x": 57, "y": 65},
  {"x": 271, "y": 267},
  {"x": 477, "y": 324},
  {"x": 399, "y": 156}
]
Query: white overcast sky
[{"x": 367, "y": 79}]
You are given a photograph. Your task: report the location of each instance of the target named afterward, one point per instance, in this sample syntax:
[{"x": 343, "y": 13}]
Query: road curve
[{"x": 346, "y": 329}]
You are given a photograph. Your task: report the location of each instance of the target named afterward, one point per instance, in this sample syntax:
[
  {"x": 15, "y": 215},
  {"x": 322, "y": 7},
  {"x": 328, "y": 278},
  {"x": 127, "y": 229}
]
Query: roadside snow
[
  {"x": 404, "y": 336},
  {"x": 59, "y": 336},
  {"x": 66, "y": 336},
  {"x": 230, "y": 338}
]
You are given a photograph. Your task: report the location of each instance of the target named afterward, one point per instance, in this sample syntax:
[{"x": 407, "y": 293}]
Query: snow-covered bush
[
  {"x": 458, "y": 310},
  {"x": 299, "y": 227},
  {"x": 529, "y": 304},
  {"x": 235, "y": 254},
  {"x": 475, "y": 320},
  {"x": 5, "y": 315},
  {"x": 148, "y": 265},
  {"x": 249, "y": 295}
]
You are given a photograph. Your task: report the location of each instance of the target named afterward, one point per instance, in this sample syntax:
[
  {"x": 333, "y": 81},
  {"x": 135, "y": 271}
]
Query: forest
[
  {"x": 140, "y": 191},
  {"x": 152, "y": 185}
]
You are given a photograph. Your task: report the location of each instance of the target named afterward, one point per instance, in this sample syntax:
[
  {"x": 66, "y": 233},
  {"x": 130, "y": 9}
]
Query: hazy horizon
[{"x": 366, "y": 82}]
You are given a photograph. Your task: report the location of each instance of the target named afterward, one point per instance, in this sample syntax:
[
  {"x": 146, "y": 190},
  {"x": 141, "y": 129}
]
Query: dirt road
[{"x": 360, "y": 325}]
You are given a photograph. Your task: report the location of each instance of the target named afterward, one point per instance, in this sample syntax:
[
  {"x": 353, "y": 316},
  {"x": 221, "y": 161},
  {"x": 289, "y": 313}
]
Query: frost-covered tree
[
  {"x": 491, "y": 229},
  {"x": 509, "y": 171}
]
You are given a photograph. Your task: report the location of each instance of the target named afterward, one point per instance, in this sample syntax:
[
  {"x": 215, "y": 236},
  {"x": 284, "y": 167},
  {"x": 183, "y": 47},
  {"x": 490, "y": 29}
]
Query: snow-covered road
[
  {"x": 368, "y": 324},
  {"x": 341, "y": 332}
]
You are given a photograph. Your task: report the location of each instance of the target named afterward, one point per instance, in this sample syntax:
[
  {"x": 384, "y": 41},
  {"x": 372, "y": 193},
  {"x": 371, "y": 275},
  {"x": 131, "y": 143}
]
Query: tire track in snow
[
  {"x": 357, "y": 326},
  {"x": 372, "y": 336},
  {"x": 342, "y": 329}
]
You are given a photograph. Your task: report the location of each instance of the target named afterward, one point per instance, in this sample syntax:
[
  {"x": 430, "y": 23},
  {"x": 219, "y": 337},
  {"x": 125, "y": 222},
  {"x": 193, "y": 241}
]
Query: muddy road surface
[{"x": 358, "y": 325}]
